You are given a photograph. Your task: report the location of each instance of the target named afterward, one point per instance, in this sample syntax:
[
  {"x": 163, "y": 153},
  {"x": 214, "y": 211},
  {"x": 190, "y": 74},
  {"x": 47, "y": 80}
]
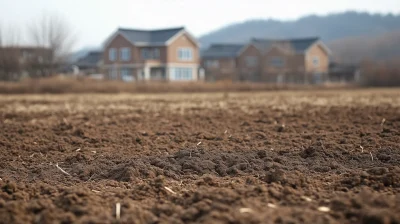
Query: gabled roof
[
  {"x": 159, "y": 37},
  {"x": 223, "y": 50},
  {"x": 91, "y": 59},
  {"x": 149, "y": 36},
  {"x": 299, "y": 46}
]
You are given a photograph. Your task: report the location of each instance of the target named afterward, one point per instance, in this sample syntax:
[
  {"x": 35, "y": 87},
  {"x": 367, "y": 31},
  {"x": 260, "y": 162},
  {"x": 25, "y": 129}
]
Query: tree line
[{"x": 37, "y": 51}]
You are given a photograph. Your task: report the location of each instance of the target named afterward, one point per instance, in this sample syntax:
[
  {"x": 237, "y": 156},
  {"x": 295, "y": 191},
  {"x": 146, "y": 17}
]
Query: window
[
  {"x": 156, "y": 53},
  {"x": 26, "y": 55},
  {"x": 277, "y": 62},
  {"x": 182, "y": 74},
  {"x": 212, "y": 63},
  {"x": 315, "y": 61},
  {"x": 251, "y": 61},
  {"x": 145, "y": 53},
  {"x": 126, "y": 75},
  {"x": 112, "y": 73},
  {"x": 150, "y": 53},
  {"x": 185, "y": 54},
  {"x": 112, "y": 54},
  {"x": 125, "y": 54}
]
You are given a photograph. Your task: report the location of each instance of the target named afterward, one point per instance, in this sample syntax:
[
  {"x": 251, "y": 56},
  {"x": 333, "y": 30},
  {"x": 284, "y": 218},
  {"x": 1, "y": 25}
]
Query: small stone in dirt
[
  {"x": 246, "y": 210},
  {"x": 305, "y": 198},
  {"x": 324, "y": 209},
  {"x": 281, "y": 128},
  {"x": 270, "y": 205}
]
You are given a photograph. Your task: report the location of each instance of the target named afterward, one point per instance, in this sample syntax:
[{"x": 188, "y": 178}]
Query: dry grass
[
  {"x": 60, "y": 85},
  {"x": 248, "y": 102}
]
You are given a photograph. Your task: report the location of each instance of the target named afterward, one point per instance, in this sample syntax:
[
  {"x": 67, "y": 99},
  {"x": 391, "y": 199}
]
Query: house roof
[
  {"x": 150, "y": 37},
  {"x": 91, "y": 59},
  {"x": 299, "y": 45},
  {"x": 222, "y": 50}
]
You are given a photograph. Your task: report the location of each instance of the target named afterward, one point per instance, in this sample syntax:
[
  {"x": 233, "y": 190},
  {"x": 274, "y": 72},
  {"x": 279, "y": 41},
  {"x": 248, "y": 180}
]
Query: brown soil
[{"x": 263, "y": 158}]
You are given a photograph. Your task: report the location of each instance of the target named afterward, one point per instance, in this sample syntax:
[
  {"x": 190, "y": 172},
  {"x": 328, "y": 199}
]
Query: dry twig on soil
[
  {"x": 246, "y": 210},
  {"x": 324, "y": 209},
  {"x": 383, "y": 122},
  {"x": 170, "y": 190},
  {"x": 118, "y": 211},
  {"x": 63, "y": 171},
  {"x": 305, "y": 198}
]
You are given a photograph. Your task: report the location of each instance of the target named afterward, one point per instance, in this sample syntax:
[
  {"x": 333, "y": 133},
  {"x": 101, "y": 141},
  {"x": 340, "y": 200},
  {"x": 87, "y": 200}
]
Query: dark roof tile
[
  {"x": 91, "y": 59},
  {"x": 298, "y": 45},
  {"x": 149, "y": 37},
  {"x": 222, "y": 50}
]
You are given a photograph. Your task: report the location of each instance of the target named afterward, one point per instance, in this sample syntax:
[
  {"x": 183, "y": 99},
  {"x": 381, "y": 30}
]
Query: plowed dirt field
[{"x": 274, "y": 157}]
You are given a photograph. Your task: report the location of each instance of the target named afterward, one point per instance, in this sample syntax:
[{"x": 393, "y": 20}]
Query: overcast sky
[{"x": 94, "y": 20}]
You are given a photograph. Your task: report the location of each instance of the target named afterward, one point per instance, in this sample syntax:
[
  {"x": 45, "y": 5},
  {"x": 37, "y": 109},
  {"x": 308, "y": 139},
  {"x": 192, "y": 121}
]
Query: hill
[
  {"x": 329, "y": 27},
  {"x": 378, "y": 47}
]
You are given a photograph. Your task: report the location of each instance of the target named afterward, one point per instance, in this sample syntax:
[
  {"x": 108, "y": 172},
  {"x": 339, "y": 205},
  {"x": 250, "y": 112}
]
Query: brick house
[
  {"x": 237, "y": 62},
  {"x": 166, "y": 54},
  {"x": 304, "y": 60},
  {"x": 20, "y": 61}
]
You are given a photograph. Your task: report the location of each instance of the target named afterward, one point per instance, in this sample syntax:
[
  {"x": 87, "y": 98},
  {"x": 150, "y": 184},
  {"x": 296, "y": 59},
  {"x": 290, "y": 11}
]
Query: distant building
[
  {"x": 166, "y": 54},
  {"x": 230, "y": 62},
  {"x": 304, "y": 60},
  {"x": 19, "y": 61},
  {"x": 344, "y": 73},
  {"x": 90, "y": 63}
]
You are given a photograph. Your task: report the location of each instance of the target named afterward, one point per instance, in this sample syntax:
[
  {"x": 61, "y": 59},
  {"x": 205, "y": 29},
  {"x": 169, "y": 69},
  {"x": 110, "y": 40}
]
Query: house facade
[
  {"x": 20, "y": 61},
  {"x": 236, "y": 62},
  {"x": 304, "y": 60},
  {"x": 167, "y": 54}
]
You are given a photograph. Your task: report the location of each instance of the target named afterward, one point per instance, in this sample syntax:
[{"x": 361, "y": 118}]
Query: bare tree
[{"x": 54, "y": 35}]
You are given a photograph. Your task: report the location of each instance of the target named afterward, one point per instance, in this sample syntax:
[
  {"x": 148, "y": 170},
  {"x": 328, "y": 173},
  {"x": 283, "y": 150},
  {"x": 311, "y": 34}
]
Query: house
[
  {"x": 339, "y": 72},
  {"x": 166, "y": 54},
  {"x": 20, "y": 61},
  {"x": 219, "y": 61},
  {"x": 304, "y": 60},
  {"x": 237, "y": 62},
  {"x": 90, "y": 63}
]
